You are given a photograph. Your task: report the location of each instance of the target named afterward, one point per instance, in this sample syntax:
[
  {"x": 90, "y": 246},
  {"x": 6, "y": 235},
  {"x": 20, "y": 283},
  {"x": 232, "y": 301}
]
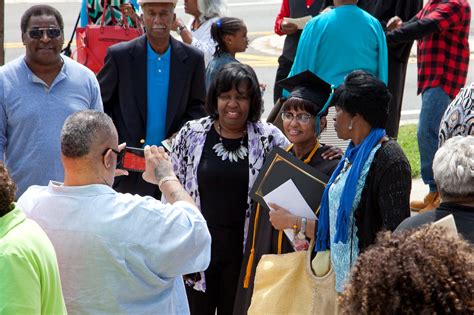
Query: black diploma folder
[{"x": 279, "y": 167}]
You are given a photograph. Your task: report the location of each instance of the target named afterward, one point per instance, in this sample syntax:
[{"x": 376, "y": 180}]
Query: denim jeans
[{"x": 434, "y": 102}]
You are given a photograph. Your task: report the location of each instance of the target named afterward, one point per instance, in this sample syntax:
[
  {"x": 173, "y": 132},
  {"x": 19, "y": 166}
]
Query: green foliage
[{"x": 408, "y": 142}]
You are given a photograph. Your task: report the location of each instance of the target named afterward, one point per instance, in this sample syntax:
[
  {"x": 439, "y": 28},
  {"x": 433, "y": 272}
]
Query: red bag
[{"x": 93, "y": 40}]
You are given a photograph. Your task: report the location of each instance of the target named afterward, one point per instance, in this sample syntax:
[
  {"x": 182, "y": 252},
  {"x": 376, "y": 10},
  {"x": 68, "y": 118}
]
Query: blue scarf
[{"x": 356, "y": 155}]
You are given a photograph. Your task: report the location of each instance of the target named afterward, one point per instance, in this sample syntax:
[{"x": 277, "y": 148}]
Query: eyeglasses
[
  {"x": 119, "y": 154},
  {"x": 51, "y": 32},
  {"x": 301, "y": 118}
]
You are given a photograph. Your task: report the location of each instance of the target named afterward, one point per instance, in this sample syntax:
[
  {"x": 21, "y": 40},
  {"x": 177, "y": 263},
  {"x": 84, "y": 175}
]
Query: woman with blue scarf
[{"x": 369, "y": 190}]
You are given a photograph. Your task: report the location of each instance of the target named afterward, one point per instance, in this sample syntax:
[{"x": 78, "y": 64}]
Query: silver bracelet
[{"x": 167, "y": 179}]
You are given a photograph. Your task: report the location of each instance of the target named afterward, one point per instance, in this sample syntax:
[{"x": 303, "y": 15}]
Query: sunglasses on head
[{"x": 51, "y": 32}]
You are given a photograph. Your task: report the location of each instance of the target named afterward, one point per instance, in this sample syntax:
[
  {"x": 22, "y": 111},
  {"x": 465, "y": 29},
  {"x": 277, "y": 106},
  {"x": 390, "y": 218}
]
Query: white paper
[
  {"x": 300, "y": 22},
  {"x": 449, "y": 224},
  {"x": 167, "y": 144},
  {"x": 288, "y": 196}
]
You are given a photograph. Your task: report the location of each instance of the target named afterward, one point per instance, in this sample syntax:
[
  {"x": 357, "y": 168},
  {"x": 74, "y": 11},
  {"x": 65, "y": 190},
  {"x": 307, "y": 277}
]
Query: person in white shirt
[
  {"x": 117, "y": 253},
  {"x": 198, "y": 31}
]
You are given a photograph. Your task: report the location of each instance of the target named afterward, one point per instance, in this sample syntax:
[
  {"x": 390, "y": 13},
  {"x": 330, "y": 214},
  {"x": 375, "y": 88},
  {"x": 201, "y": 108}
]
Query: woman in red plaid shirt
[{"x": 442, "y": 31}]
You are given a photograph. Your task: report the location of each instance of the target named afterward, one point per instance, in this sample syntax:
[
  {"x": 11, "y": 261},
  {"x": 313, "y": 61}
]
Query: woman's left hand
[
  {"x": 332, "y": 153},
  {"x": 280, "y": 217}
]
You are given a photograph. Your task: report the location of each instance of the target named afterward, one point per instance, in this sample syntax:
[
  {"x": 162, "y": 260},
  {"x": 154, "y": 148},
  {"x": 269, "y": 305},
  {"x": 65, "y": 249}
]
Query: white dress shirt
[{"x": 120, "y": 253}]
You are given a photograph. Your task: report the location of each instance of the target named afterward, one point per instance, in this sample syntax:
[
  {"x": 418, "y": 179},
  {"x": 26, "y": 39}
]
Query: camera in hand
[{"x": 133, "y": 160}]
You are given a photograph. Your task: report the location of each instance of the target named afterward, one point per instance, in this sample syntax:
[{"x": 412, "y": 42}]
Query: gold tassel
[
  {"x": 248, "y": 270},
  {"x": 280, "y": 240}
]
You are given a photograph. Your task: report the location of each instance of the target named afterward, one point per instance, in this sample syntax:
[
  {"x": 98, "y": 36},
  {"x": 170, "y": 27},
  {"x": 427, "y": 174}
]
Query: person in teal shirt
[
  {"x": 29, "y": 274},
  {"x": 335, "y": 43}
]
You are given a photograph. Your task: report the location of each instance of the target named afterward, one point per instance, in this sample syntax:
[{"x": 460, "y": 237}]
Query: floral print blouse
[
  {"x": 189, "y": 143},
  {"x": 186, "y": 155}
]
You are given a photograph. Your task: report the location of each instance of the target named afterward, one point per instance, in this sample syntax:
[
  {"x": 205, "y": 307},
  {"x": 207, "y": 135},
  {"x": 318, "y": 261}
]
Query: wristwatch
[
  {"x": 180, "y": 28},
  {"x": 302, "y": 233}
]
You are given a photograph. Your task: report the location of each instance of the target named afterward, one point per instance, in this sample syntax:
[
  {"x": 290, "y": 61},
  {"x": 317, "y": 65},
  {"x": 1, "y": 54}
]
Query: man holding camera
[{"x": 117, "y": 253}]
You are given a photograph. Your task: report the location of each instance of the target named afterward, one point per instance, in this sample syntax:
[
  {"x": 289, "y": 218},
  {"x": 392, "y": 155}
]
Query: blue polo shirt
[
  {"x": 158, "y": 74},
  {"x": 32, "y": 115}
]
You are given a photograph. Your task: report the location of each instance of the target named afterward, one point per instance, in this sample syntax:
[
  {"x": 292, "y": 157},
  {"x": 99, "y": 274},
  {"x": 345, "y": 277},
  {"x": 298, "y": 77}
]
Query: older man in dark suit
[{"x": 151, "y": 86}]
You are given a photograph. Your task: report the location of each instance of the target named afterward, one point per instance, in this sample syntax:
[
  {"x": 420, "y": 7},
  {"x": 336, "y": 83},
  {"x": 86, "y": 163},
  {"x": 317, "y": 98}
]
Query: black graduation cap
[{"x": 308, "y": 86}]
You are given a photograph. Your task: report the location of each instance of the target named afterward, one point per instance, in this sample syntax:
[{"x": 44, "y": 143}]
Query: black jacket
[
  {"x": 463, "y": 217},
  {"x": 385, "y": 200},
  {"x": 123, "y": 84}
]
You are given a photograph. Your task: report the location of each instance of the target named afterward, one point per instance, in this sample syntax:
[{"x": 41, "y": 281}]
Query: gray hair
[
  {"x": 211, "y": 8},
  {"x": 82, "y": 129},
  {"x": 453, "y": 168}
]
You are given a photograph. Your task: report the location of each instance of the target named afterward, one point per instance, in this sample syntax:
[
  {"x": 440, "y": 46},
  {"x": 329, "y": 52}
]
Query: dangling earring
[{"x": 350, "y": 126}]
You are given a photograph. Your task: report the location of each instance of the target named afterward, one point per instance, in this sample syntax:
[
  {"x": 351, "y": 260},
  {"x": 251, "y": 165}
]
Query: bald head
[{"x": 85, "y": 130}]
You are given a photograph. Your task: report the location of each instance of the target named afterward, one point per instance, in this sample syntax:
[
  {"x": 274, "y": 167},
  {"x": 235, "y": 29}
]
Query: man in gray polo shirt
[{"x": 38, "y": 91}]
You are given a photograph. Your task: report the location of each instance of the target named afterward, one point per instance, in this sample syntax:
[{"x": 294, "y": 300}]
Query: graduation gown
[{"x": 266, "y": 241}]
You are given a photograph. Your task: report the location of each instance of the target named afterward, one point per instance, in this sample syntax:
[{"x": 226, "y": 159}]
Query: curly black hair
[
  {"x": 7, "y": 191},
  {"x": 423, "y": 271}
]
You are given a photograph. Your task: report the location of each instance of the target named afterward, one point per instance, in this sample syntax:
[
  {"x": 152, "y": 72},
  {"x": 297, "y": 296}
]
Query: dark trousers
[
  {"x": 222, "y": 276},
  {"x": 284, "y": 68},
  {"x": 396, "y": 84}
]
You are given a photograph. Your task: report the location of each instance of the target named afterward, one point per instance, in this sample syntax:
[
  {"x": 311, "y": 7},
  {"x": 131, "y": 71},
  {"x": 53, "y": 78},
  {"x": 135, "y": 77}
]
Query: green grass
[{"x": 408, "y": 142}]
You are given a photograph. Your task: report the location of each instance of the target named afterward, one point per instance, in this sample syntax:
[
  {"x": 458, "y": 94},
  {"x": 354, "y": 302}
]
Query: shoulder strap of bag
[
  {"x": 124, "y": 18},
  {"x": 104, "y": 13}
]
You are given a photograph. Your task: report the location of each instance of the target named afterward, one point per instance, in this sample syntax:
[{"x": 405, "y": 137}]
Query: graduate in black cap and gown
[{"x": 304, "y": 118}]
